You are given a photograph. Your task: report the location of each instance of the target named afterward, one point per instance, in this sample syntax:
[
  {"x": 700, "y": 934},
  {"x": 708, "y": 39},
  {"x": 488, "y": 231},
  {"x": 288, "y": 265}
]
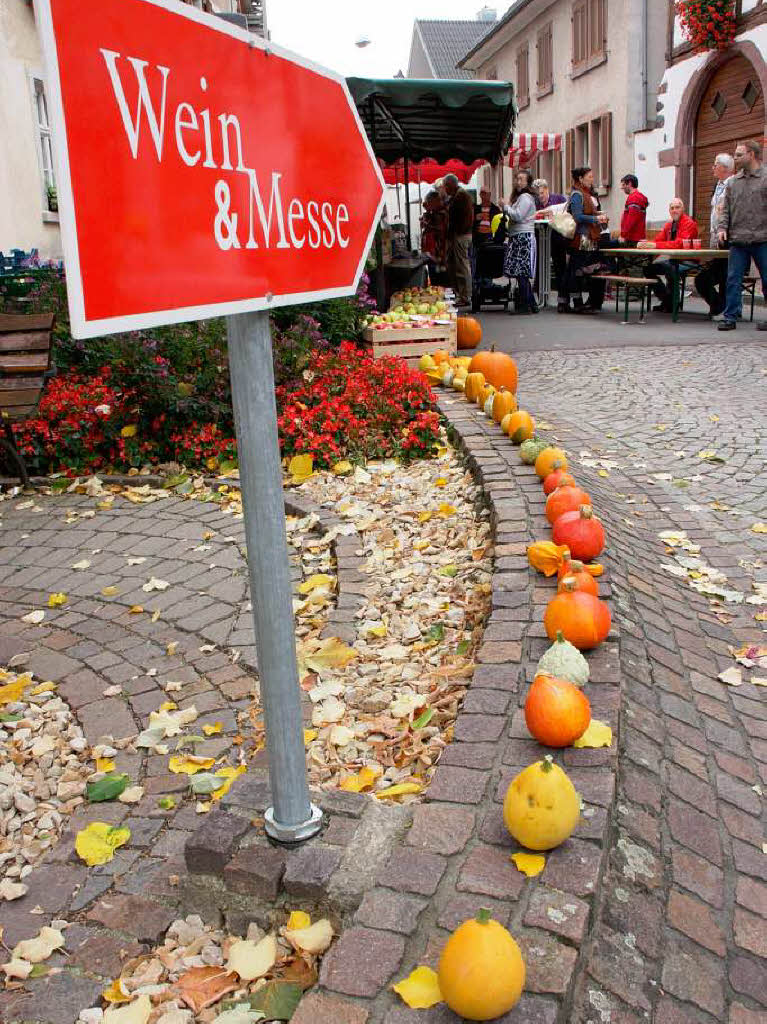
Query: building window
[
  {"x": 590, "y": 145},
  {"x": 545, "y": 61},
  {"x": 582, "y": 145},
  {"x": 523, "y": 77},
  {"x": 45, "y": 151},
  {"x": 589, "y": 21}
]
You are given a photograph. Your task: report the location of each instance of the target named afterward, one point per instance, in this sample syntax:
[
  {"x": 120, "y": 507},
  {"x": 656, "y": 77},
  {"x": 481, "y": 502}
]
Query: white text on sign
[{"x": 314, "y": 223}]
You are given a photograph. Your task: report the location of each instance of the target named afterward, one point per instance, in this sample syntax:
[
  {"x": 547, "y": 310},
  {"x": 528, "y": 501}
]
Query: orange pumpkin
[
  {"x": 520, "y": 426},
  {"x": 547, "y": 459},
  {"x": 504, "y": 403},
  {"x": 469, "y": 332},
  {"x": 474, "y": 381},
  {"x": 582, "y": 619},
  {"x": 565, "y": 568},
  {"x": 581, "y": 531},
  {"x": 441, "y": 356},
  {"x": 556, "y": 478},
  {"x": 583, "y": 579},
  {"x": 556, "y": 711},
  {"x": 498, "y": 367},
  {"x": 565, "y": 499}
]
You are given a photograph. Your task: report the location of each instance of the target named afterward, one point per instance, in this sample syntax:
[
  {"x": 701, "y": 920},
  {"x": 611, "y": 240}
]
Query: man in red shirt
[
  {"x": 672, "y": 236},
  {"x": 633, "y": 220}
]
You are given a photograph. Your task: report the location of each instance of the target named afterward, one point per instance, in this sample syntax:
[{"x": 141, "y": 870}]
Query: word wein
[{"x": 314, "y": 223}]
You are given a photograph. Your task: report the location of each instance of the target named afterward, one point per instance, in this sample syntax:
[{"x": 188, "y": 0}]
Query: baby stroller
[{"x": 487, "y": 266}]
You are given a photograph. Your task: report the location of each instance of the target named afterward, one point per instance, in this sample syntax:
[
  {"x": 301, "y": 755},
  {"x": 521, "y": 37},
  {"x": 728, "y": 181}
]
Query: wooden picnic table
[{"x": 673, "y": 255}]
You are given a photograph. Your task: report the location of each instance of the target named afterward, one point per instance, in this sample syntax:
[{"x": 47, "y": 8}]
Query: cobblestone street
[{"x": 655, "y": 911}]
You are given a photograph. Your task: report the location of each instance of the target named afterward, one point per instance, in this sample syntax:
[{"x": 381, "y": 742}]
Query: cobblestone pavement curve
[
  {"x": 681, "y": 929},
  {"x": 668, "y": 875}
]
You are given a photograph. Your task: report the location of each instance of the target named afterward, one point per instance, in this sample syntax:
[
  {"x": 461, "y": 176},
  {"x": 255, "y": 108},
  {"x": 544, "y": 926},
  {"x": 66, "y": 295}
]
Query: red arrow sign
[{"x": 200, "y": 171}]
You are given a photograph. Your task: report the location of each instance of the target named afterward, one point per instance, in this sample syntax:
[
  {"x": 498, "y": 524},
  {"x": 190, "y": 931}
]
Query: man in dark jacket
[
  {"x": 460, "y": 222},
  {"x": 743, "y": 223},
  {"x": 633, "y": 221}
]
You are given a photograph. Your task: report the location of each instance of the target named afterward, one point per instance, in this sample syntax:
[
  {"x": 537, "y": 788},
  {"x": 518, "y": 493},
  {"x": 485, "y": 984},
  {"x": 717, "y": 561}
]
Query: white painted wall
[
  {"x": 658, "y": 183},
  {"x": 22, "y": 196}
]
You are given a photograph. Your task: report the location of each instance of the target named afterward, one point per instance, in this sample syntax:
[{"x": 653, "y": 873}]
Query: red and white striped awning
[{"x": 525, "y": 146}]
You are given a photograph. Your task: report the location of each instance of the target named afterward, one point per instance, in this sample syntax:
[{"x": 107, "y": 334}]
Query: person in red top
[
  {"x": 671, "y": 236},
  {"x": 633, "y": 220}
]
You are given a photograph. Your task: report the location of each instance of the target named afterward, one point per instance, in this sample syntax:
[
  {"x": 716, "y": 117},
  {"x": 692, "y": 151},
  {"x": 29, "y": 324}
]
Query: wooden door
[{"x": 731, "y": 110}]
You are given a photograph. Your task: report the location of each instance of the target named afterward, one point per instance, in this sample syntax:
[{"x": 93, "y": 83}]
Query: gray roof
[
  {"x": 447, "y": 42},
  {"x": 493, "y": 27}
]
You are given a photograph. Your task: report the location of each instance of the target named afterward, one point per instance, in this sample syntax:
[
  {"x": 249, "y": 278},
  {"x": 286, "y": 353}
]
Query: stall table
[{"x": 673, "y": 256}]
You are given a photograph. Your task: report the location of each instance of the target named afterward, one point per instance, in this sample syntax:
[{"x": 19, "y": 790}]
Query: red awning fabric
[
  {"x": 526, "y": 145},
  {"x": 428, "y": 171}
]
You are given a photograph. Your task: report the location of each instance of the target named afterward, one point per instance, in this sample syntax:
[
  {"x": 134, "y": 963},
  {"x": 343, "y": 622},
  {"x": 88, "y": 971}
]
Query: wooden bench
[
  {"x": 25, "y": 365},
  {"x": 627, "y": 282}
]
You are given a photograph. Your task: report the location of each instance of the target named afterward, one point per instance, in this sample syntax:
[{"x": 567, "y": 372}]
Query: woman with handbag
[
  {"x": 584, "y": 260},
  {"x": 519, "y": 260}
]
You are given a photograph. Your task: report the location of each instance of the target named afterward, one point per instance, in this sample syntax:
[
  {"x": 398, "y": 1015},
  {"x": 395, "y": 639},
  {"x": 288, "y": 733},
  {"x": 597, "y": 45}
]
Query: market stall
[{"x": 415, "y": 125}]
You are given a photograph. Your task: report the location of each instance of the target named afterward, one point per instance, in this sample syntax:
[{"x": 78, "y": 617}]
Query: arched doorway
[{"x": 731, "y": 109}]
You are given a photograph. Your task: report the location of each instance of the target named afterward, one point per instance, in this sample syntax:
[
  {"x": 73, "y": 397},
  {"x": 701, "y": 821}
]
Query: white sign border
[{"x": 80, "y": 326}]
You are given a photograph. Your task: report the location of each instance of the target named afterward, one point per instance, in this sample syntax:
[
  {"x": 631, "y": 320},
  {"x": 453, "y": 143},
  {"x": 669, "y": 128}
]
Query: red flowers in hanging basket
[{"x": 708, "y": 24}]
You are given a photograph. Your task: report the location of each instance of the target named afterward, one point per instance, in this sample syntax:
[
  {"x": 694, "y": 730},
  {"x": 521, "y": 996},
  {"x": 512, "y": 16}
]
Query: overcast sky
[{"x": 326, "y": 32}]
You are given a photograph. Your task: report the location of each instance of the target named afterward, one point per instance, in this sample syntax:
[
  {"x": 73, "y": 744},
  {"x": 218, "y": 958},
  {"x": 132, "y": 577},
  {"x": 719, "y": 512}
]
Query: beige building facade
[
  {"x": 586, "y": 70},
  {"x": 27, "y": 180}
]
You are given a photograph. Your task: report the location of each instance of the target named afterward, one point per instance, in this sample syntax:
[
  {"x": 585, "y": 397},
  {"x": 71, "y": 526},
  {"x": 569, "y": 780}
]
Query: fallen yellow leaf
[
  {"x": 135, "y": 609},
  {"x": 47, "y": 687},
  {"x": 300, "y": 467},
  {"x": 331, "y": 654},
  {"x": 343, "y": 468},
  {"x": 440, "y": 482},
  {"x": 96, "y": 844},
  {"x": 109, "y": 591},
  {"x": 401, "y": 789},
  {"x": 56, "y": 600},
  {"x": 424, "y": 517},
  {"x": 105, "y": 764},
  {"x": 12, "y": 692},
  {"x": 319, "y": 579},
  {"x": 362, "y": 781},
  {"x": 116, "y": 993},
  {"x": 759, "y": 528},
  {"x": 446, "y": 510},
  {"x": 598, "y": 734},
  {"x": 420, "y": 989},
  {"x": 188, "y": 765},
  {"x": 309, "y": 735},
  {"x": 230, "y": 774},
  {"x": 298, "y": 920},
  {"x": 530, "y": 864},
  {"x": 213, "y": 730},
  {"x": 129, "y": 430}
]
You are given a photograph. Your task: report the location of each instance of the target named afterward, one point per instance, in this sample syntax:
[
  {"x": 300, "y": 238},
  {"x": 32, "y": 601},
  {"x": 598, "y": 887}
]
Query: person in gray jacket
[
  {"x": 519, "y": 260},
  {"x": 743, "y": 223}
]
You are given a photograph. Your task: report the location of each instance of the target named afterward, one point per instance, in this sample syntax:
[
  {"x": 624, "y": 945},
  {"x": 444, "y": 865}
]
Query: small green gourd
[
  {"x": 488, "y": 407},
  {"x": 564, "y": 661},
  {"x": 530, "y": 450}
]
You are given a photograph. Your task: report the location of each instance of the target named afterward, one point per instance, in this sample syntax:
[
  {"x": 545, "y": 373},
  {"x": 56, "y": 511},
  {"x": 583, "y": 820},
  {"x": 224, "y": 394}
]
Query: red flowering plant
[
  {"x": 351, "y": 406},
  {"x": 83, "y": 424},
  {"x": 708, "y": 24}
]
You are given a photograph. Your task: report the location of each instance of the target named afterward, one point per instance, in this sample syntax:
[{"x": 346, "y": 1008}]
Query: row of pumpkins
[{"x": 482, "y": 971}]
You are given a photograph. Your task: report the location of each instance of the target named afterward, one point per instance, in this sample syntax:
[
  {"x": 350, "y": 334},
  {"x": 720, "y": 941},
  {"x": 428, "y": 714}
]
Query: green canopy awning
[{"x": 440, "y": 119}]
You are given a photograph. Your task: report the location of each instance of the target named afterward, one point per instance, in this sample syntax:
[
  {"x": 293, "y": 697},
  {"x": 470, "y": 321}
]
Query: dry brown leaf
[{"x": 201, "y": 987}]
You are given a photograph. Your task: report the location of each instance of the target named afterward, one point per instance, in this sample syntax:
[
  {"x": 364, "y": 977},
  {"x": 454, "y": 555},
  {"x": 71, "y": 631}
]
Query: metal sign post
[{"x": 291, "y": 817}]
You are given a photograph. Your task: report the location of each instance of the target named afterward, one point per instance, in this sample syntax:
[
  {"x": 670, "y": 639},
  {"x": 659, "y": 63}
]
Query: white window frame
[{"x": 42, "y": 132}]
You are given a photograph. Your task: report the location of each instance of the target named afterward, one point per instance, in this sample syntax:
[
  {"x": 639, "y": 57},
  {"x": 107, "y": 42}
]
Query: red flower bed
[
  {"x": 708, "y": 24},
  {"x": 353, "y": 406}
]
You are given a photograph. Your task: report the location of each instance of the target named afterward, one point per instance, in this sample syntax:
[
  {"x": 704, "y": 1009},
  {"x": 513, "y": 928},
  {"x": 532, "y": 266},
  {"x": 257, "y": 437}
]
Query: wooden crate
[{"x": 411, "y": 343}]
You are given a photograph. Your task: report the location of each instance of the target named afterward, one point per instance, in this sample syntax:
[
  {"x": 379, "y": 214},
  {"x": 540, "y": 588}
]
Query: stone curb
[{"x": 397, "y": 912}]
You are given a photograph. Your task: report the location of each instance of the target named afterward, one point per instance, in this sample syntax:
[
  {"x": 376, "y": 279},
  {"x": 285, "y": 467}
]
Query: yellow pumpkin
[
  {"x": 481, "y": 971},
  {"x": 544, "y": 464},
  {"x": 504, "y": 403},
  {"x": 521, "y": 426},
  {"x": 541, "y": 807},
  {"x": 485, "y": 392},
  {"x": 459, "y": 383},
  {"x": 474, "y": 381}
]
